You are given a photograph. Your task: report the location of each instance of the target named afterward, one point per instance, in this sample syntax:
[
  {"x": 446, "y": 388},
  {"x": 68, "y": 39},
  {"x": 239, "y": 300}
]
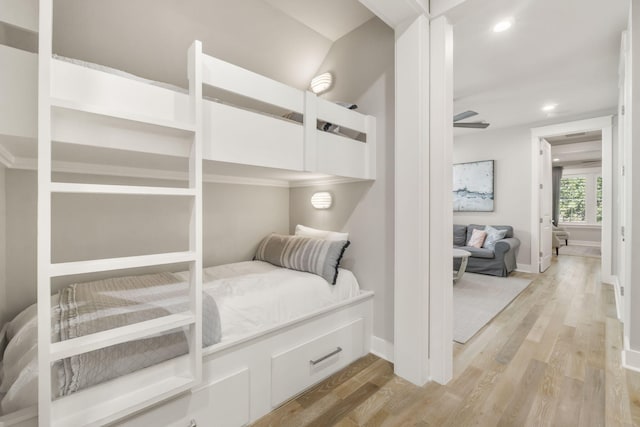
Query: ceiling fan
[{"x": 471, "y": 125}]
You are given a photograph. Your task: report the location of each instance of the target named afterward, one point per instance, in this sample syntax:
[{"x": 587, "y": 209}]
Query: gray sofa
[{"x": 498, "y": 262}]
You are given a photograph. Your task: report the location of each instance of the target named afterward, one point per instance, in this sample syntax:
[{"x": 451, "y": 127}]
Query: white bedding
[
  {"x": 251, "y": 296},
  {"x": 255, "y": 295}
]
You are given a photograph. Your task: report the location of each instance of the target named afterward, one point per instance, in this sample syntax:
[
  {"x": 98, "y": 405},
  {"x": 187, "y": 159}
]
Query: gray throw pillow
[
  {"x": 317, "y": 256},
  {"x": 493, "y": 235}
]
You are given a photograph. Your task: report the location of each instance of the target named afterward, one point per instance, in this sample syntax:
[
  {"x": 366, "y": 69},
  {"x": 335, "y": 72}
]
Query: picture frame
[{"x": 473, "y": 186}]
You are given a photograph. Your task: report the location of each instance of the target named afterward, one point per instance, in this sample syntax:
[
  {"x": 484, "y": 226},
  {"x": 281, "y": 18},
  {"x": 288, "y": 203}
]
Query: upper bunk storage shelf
[
  {"x": 240, "y": 136},
  {"x": 120, "y": 114},
  {"x": 235, "y": 135},
  {"x": 119, "y": 95},
  {"x": 100, "y": 107},
  {"x": 231, "y": 78}
]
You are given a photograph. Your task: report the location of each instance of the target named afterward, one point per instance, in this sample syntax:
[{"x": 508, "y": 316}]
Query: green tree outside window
[{"x": 573, "y": 199}]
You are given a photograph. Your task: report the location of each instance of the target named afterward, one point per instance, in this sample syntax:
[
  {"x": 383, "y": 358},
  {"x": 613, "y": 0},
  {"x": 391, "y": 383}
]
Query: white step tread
[
  {"x": 109, "y": 264},
  {"x": 141, "y": 396},
  {"x": 124, "y": 115},
  {"x": 87, "y": 343},
  {"x": 64, "y": 187}
]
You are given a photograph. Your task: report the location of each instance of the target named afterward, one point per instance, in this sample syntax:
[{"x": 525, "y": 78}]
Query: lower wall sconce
[{"x": 322, "y": 200}]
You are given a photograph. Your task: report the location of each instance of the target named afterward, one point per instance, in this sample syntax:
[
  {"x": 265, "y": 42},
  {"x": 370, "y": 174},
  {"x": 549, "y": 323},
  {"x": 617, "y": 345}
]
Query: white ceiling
[
  {"x": 582, "y": 149},
  {"x": 583, "y": 154},
  {"x": 558, "y": 51},
  {"x": 331, "y": 18}
]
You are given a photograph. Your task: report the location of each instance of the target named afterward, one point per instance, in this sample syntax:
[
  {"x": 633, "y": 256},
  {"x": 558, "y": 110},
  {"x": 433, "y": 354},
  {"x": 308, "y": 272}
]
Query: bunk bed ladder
[{"x": 91, "y": 412}]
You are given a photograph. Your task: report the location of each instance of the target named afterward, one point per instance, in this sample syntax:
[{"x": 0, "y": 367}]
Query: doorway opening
[{"x": 581, "y": 152}]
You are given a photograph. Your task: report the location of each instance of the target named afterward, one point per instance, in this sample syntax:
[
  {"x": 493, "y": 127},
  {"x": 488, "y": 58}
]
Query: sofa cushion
[
  {"x": 472, "y": 227},
  {"x": 480, "y": 252},
  {"x": 459, "y": 235}
]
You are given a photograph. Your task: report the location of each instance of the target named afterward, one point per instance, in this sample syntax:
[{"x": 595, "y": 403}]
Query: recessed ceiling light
[
  {"x": 549, "y": 107},
  {"x": 503, "y": 25},
  {"x": 556, "y": 160}
]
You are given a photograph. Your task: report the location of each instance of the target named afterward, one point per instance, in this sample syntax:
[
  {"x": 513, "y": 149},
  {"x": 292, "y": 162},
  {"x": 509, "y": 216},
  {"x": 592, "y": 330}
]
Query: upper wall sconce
[
  {"x": 322, "y": 200},
  {"x": 321, "y": 83}
]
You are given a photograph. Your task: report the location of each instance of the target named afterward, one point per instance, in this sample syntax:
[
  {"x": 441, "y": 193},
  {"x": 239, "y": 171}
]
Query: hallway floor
[{"x": 552, "y": 358}]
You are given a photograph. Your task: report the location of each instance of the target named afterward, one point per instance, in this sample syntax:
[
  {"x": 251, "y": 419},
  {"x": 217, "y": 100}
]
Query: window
[
  {"x": 581, "y": 199},
  {"x": 573, "y": 199}
]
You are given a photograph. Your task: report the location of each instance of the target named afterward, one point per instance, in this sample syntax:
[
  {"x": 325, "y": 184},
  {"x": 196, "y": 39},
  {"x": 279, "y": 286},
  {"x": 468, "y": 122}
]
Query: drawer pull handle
[{"x": 333, "y": 353}]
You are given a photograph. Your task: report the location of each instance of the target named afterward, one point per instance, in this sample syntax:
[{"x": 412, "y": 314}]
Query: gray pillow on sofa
[
  {"x": 493, "y": 235},
  {"x": 317, "y": 256}
]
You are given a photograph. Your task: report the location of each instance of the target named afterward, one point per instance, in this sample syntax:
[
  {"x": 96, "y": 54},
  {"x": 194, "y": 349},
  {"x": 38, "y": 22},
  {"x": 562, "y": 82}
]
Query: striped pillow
[{"x": 317, "y": 256}]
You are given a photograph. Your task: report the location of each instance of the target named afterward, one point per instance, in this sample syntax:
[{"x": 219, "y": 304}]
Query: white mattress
[
  {"x": 256, "y": 295},
  {"x": 251, "y": 296}
]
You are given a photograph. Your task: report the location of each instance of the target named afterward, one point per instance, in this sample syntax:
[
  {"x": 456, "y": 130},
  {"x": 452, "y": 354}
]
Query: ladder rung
[
  {"x": 108, "y": 264},
  {"x": 64, "y": 187},
  {"x": 87, "y": 343}
]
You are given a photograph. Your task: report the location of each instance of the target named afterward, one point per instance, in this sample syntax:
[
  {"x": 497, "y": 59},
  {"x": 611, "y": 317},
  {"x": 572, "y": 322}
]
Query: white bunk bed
[
  {"x": 234, "y": 382},
  {"x": 132, "y": 114}
]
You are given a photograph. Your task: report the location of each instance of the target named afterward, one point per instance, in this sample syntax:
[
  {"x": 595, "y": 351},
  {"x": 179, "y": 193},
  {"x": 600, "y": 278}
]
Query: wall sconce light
[
  {"x": 321, "y": 83},
  {"x": 322, "y": 200}
]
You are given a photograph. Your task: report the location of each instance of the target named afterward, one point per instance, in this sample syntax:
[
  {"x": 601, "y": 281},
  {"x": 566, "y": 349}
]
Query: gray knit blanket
[{"x": 97, "y": 306}]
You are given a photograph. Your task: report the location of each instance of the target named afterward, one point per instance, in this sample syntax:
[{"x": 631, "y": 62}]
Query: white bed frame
[
  {"x": 231, "y": 383},
  {"x": 148, "y": 118}
]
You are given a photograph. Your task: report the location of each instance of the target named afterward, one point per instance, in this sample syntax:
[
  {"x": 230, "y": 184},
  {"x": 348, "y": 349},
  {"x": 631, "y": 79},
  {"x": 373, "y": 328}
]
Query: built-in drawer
[
  {"x": 223, "y": 402},
  {"x": 295, "y": 369}
]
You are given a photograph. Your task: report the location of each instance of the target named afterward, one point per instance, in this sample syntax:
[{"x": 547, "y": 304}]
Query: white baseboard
[
  {"x": 525, "y": 268},
  {"x": 630, "y": 358},
  {"x": 382, "y": 348},
  {"x": 584, "y": 243}
]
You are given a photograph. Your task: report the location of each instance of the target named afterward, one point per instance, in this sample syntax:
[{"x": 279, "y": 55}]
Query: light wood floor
[{"x": 551, "y": 358}]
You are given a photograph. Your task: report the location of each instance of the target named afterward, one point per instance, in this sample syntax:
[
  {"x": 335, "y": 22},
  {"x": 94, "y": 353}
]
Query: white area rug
[
  {"x": 576, "y": 250},
  {"x": 478, "y": 298}
]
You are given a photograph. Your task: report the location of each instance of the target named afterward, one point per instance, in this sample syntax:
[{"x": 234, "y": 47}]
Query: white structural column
[
  {"x": 44, "y": 211},
  {"x": 411, "y": 304},
  {"x": 608, "y": 232},
  {"x": 632, "y": 177},
  {"x": 440, "y": 205}
]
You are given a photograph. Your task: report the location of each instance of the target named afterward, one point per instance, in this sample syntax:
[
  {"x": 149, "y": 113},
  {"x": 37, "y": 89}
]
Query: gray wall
[
  {"x": 363, "y": 65},
  {"x": 3, "y": 246},
  {"x": 236, "y": 218},
  {"x": 152, "y": 37},
  {"x": 588, "y": 235},
  {"x": 511, "y": 151}
]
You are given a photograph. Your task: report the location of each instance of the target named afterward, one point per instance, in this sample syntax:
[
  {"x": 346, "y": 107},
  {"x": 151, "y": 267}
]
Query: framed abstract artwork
[{"x": 473, "y": 186}]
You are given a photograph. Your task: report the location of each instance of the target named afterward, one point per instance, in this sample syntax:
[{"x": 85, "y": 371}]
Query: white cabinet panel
[
  {"x": 222, "y": 403},
  {"x": 300, "y": 367}
]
